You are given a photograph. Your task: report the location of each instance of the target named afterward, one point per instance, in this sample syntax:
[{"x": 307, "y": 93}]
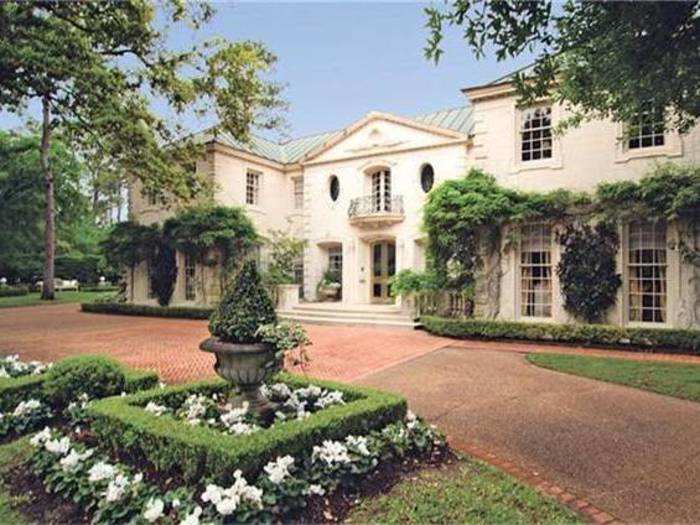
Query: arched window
[
  {"x": 427, "y": 177},
  {"x": 334, "y": 188}
]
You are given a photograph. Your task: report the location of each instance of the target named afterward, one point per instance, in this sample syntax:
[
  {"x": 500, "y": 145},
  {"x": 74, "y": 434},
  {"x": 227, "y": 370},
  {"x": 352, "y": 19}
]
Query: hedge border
[
  {"x": 628, "y": 338},
  {"x": 16, "y": 389},
  {"x": 176, "y": 448},
  {"x": 182, "y": 312},
  {"x": 14, "y": 291}
]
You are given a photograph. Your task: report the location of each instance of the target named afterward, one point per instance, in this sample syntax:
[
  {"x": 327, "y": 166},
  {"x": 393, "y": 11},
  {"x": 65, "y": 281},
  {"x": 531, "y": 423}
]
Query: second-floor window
[
  {"x": 298, "y": 194},
  {"x": 647, "y": 130},
  {"x": 252, "y": 188},
  {"x": 381, "y": 191},
  {"x": 536, "y": 134}
]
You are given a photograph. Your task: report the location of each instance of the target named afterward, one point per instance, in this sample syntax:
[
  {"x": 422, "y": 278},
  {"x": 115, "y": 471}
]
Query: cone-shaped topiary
[{"x": 244, "y": 307}]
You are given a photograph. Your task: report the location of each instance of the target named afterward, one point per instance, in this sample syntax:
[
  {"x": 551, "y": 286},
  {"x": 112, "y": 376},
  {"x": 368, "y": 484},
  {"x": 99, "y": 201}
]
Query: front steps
[{"x": 349, "y": 314}]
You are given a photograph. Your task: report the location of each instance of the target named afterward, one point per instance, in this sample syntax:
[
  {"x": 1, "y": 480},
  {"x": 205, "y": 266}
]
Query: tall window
[
  {"x": 152, "y": 198},
  {"x": 190, "y": 268},
  {"x": 335, "y": 262},
  {"x": 536, "y": 134},
  {"x": 298, "y": 194},
  {"x": 299, "y": 275},
  {"x": 252, "y": 188},
  {"x": 647, "y": 130},
  {"x": 646, "y": 265},
  {"x": 536, "y": 271},
  {"x": 381, "y": 191}
]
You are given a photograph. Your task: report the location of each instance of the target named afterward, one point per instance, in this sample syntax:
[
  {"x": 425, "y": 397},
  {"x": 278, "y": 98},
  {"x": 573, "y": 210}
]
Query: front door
[{"x": 383, "y": 268}]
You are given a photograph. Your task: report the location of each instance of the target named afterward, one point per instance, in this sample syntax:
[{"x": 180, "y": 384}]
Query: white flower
[
  {"x": 101, "y": 471},
  {"x": 161, "y": 384},
  {"x": 331, "y": 452},
  {"x": 73, "y": 459},
  {"x": 281, "y": 390},
  {"x": 58, "y": 446},
  {"x": 227, "y": 500},
  {"x": 278, "y": 470},
  {"x": 116, "y": 488},
  {"x": 137, "y": 478},
  {"x": 239, "y": 429},
  {"x": 309, "y": 391},
  {"x": 212, "y": 494},
  {"x": 234, "y": 415},
  {"x": 3, "y": 372},
  {"x": 359, "y": 443},
  {"x": 410, "y": 416},
  {"x": 316, "y": 489},
  {"x": 193, "y": 517},
  {"x": 25, "y": 407},
  {"x": 41, "y": 437},
  {"x": 155, "y": 408},
  {"x": 154, "y": 509},
  {"x": 330, "y": 398}
]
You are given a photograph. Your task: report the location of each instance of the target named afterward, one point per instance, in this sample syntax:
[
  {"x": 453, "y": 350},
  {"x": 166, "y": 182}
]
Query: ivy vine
[{"x": 587, "y": 272}]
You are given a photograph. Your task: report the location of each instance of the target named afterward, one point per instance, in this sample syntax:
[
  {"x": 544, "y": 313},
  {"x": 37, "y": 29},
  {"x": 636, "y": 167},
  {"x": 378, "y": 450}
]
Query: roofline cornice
[{"x": 489, "y": 91}]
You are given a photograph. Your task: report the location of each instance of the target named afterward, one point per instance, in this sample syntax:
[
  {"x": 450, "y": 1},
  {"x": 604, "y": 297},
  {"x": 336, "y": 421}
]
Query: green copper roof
[{"x": 456, "y": 119}]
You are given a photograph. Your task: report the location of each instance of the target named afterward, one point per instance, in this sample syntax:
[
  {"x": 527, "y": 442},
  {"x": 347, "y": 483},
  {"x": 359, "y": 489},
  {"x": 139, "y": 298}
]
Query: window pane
[
  {"x": 536, "y": 125},
  {"x": 646, "y": 262},
  {"x": 536, "y": 271}
]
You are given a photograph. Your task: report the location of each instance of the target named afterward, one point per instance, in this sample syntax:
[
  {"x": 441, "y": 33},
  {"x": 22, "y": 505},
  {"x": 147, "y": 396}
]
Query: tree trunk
[{"x": 47, "y": 292}]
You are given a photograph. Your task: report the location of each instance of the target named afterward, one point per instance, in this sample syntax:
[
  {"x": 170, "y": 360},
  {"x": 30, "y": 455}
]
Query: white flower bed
[
  {"x": 11, "y": 366},
  {"x": 26, "y": 415},
  {"x": 214, "y": 411},
  {"x": 119, "y": 495}
]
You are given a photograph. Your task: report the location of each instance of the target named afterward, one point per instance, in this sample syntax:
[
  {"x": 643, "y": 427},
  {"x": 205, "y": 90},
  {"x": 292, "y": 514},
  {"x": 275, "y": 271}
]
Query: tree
[
  {"x": 285, "y": 252},
  {"x": 22, "y": 197},
  {"x": 600, "y": 59},
  {"x": 94, "y": 67}
]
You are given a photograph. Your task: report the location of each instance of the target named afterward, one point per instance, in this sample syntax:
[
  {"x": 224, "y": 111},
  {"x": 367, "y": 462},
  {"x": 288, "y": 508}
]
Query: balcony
[{"x": 372, "y": 211}]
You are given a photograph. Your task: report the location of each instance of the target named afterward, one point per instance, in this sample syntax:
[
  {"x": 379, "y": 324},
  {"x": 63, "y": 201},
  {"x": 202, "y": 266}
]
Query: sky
[{"x": 339, "y": 61}]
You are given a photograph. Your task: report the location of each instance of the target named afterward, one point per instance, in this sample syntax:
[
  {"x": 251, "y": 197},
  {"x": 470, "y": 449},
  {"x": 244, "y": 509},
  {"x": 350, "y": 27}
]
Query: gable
[{"x": 381, "y": 133}]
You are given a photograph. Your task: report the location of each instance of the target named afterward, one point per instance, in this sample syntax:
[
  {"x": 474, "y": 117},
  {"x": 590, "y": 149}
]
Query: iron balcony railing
[{"x": 372, "y": 205}]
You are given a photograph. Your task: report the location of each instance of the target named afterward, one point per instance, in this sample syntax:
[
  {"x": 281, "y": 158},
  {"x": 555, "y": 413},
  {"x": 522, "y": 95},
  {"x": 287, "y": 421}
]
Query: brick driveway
[{"x": 169, "y": 346}]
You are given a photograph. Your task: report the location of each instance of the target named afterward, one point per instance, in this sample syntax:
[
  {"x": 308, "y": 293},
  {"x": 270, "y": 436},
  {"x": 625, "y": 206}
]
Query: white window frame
[
  {"x": 253, "y": 184},
  {"x": 636, "y": 233},
  {"x": 522, "y": 304},
  {"x": 298, "y": 193},
  {"x": 640, "y": 136},
  {"x": 541, "y": 112},
  {"x": 189, "y": 277}
]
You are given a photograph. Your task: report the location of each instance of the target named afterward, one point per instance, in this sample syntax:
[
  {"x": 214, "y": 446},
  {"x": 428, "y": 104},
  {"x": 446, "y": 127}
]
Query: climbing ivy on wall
[
  {"x": 163, "y": 271},
  {"x": 587, "y": 272}
]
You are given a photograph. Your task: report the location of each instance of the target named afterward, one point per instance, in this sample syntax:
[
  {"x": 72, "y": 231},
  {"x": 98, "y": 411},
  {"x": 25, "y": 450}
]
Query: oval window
[
  {"x": 427, "y": 177},
  {"x": 334, "y": 188}
]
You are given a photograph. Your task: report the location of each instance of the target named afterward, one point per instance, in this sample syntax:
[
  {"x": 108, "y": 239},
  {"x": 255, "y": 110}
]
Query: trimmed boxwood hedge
[
  {"x": 647, "y": 339},
  {"x": 196, "y": 452},
  {"x": 99, "y": 288},
  {"x": 16, "y": 389},
  {"x": 184, "y": 312}
]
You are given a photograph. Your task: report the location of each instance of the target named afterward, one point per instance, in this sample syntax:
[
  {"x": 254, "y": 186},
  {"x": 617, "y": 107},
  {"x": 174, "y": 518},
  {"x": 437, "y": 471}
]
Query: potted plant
[
  {"x": 242, "y": 356},
  {"x": 329, "y": 287}
]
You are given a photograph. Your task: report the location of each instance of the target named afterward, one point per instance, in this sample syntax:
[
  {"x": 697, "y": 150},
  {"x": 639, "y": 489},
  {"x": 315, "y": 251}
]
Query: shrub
[
  {"x": 183, "y": 312},
  {"x": 244, "y": 307},
  {"x": 14, "y": 291},
  {"x": 95, "y": 376},
  {"x": 163, "y": 272},
  {"x": 100, "y": 288},
  {"x": 198, "y": 452},
  {"x": 674, "y": 340},
  {"x": 85, "y": 268}
]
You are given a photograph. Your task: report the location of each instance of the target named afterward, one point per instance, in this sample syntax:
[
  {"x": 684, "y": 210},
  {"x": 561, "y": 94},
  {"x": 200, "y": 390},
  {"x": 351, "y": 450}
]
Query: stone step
[
  {"x": 393, "y": 316},
  {"x": 354, "y": 321},
  {"x": 369, "y": 309}
]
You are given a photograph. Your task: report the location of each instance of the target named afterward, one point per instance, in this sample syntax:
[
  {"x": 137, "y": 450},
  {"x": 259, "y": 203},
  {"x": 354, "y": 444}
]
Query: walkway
[{"x": 630, "y": 452}]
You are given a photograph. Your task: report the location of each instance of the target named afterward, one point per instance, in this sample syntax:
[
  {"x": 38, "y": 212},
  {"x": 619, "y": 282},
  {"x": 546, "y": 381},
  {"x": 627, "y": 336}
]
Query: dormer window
[
  {"x": 536, "y": 134},
  {"x": 647, "y": 130}
]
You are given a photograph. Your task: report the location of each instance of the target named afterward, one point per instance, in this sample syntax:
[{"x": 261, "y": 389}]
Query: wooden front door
[{"x": 383, "y": 268}]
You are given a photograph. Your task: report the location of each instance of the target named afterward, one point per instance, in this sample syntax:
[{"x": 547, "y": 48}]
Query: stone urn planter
[
  {"x": 329, "y": 292},
  {"x": 247, "y": 366}
]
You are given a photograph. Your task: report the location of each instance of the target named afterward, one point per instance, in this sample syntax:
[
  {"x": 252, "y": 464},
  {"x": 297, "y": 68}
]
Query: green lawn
[
  {"x": 672, "y": 379},
  {"x": 468, "y": 491},
  {"x": 11, "y": 454},
  {"x": 34, "y": 298}
]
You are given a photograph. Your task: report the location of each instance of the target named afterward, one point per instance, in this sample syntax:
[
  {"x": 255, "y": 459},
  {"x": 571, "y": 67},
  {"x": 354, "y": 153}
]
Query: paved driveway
[
  {"x": 630, "y": 452},
  {"x": 170, "y": 346}
]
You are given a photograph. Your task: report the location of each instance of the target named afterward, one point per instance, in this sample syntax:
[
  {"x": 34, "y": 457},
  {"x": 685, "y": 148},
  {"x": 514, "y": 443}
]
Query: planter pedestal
[{"x": 247, "y": 366}]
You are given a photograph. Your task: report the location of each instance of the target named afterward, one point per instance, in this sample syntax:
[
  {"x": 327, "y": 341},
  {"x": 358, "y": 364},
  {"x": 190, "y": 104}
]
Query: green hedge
[
  {"x": 16, "y": 389},
  {"x": 183, "y": 312},
  {"x": 98, "y": 288},
  {"x": 14, "y": 291},
  {"x": 649, "y": 339},
  {"x": 195, "y": 453}
]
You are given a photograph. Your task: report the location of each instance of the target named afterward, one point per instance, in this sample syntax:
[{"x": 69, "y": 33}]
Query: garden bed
[
  {"x": 173, "y": 446},
  {"x": 604, "y": 336}
]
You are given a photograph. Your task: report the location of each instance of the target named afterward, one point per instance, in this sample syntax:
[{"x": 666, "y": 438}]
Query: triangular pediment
[{"x": 380, "y": 133}]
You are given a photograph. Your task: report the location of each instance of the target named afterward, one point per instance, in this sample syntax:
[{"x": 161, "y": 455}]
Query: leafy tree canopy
[
  {"x": 601, "y": 59},
  {"x": 23, "y": 201}
]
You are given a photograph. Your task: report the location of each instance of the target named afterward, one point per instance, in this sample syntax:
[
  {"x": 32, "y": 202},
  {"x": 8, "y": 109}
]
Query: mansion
[{"x": 355, "y": 196}]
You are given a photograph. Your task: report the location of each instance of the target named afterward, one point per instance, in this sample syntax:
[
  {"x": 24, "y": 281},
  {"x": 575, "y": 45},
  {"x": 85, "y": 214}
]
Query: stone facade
[{"x": 356, "y": 197}]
